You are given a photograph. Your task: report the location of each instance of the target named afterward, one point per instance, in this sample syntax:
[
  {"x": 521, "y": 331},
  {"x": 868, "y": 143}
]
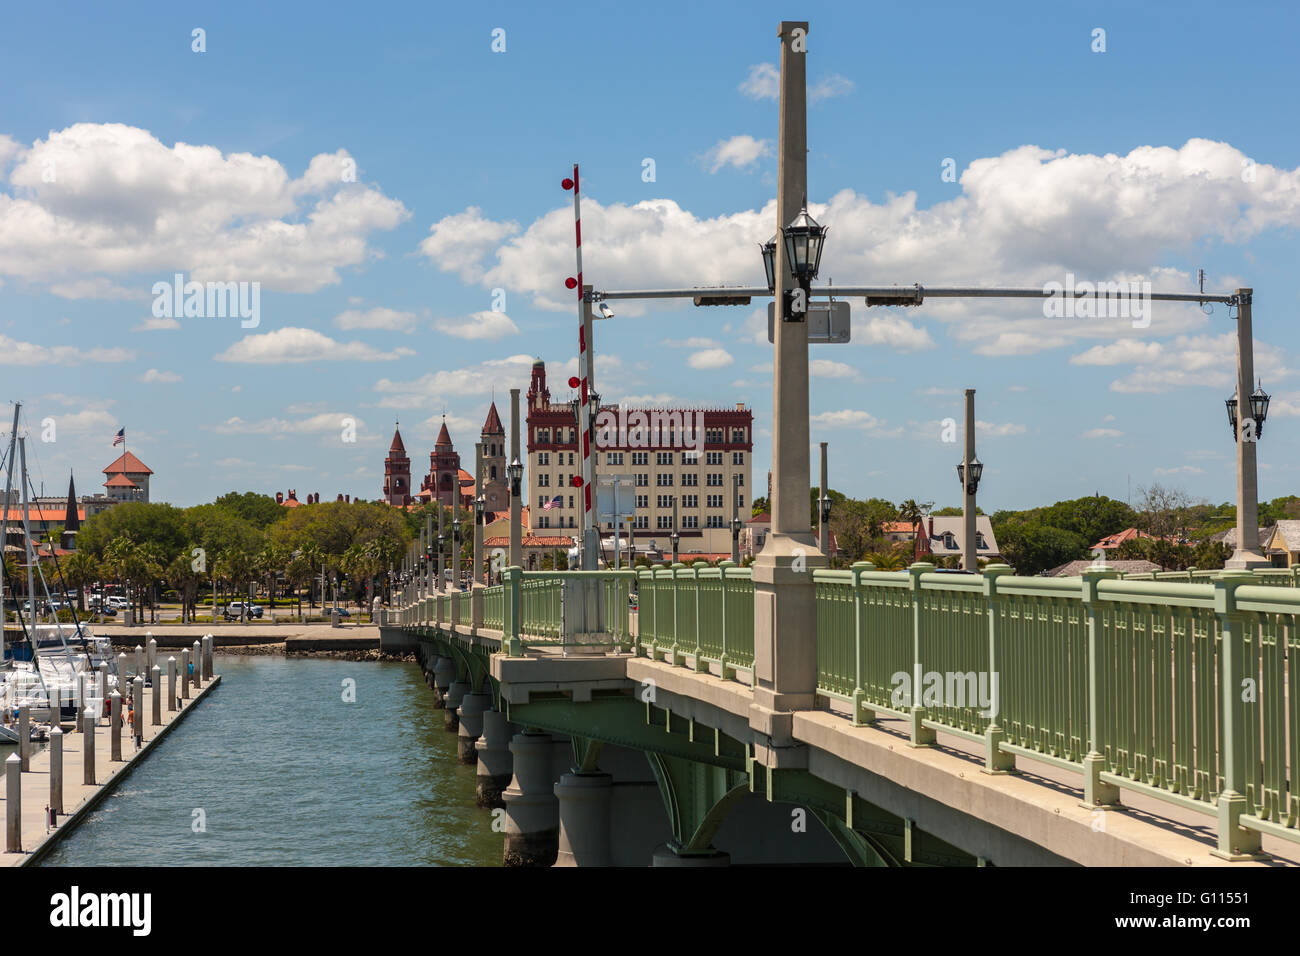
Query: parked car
[
  {"x": 239, "y": 610},
  {"x": 117, "y": 602},
  {"x": 343, "y": 612}
]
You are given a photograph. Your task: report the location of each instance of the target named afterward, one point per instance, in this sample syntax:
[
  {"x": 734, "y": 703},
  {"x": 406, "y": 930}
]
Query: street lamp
[
  {"x": 825, "y": 504},
  {"x": 515, "y": 471},
  {"x": 976, "y": 469},
  {"x": 769, "y": 262},
  {"x": 804, "y": 238},
  {"x": 1259, "y": 400}
]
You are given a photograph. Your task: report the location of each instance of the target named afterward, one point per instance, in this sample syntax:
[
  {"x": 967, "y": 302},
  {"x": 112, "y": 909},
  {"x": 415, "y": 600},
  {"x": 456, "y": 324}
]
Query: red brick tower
[{"x": 397, "y": 472}]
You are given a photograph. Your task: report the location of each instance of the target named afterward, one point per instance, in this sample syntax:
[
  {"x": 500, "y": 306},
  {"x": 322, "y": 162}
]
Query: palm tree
[
  {"x": 891, "y": 560},
  {"x": 185, "y": 578},
  {"x": 80, "y": 569},
  {"x": 914, "y": 514}
]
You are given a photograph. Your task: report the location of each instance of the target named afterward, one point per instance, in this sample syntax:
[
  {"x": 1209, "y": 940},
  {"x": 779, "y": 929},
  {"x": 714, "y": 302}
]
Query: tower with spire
[
  {"x": 495, "y": 490},
  {"x": 71, "y": 519},
  {"x": 443, "y": 479},
  {"x": 397, "y": 472}
]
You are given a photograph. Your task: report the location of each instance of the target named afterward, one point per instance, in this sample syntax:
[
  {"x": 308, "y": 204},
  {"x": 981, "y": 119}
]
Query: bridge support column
[
  {"x": 470, "y": 725},
  {"x": 584, "y": 802},
  {"x": 495, "y": 762},
  {"x": 444, "y": 672},
  {"x": 671, "y": 855},
  {"x": 456, "y": 692},
  {"x": 532, "y": 810}
]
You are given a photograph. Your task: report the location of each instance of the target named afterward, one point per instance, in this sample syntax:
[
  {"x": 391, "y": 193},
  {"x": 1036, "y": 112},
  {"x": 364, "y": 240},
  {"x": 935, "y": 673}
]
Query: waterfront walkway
[{"x": 80, "y": 798}]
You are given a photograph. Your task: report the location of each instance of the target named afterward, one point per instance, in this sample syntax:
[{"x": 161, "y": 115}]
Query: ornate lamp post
[{"x": 804, "y": 239}]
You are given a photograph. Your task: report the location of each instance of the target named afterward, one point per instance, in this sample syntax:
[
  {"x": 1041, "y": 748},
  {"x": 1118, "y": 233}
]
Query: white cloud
[
  {"x": 1102, "y": 433},
  {"x": 825, "y": 368},
  {"x": 154, "y": 324},
  {"x": 13, "y": 352},
  {"x": 762, "y": 83},
  {"x": 155, "y": 377},
  {"x": 432, "y": 388},
  {"x": 740, "y": 152},
  {"x": 894, "y": 331},
  {"x": 992, "y": 430},
  {"x": 1026, "y": 217},
  {"x": 709, "y": 359},
  {"x": 291, "y": 345},
  {"x": 458, "y": 243},
  {"x": 485, "y": 325},
  {"x": 1184, "y": 361},
  {"x": 828, "y": 87},
  {"x": 1180, "y": 470},
  {"x": 123, "y": 203},
  {"x": 390, "y": 320},
  {"x": 324, "y": 423},
  {"x": 853, "y": 418}
]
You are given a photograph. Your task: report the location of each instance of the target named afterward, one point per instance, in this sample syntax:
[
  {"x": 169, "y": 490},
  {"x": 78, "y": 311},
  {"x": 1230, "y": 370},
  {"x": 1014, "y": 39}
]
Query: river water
[{"x": 281, "y": 771}]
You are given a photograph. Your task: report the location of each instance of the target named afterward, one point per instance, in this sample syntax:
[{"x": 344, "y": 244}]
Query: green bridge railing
[{"x": 1177, "y": 685}]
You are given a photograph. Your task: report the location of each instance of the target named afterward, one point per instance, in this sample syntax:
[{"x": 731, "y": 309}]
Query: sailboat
[{"x": 61, "y": 677}]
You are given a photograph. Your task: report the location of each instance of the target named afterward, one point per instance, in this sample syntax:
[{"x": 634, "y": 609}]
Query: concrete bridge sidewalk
[{"x": 303, "y": 637}]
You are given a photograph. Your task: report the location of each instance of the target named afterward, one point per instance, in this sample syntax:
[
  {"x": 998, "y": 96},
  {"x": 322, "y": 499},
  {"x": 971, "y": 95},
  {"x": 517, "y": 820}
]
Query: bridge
[{"x": 953, "y": 719}]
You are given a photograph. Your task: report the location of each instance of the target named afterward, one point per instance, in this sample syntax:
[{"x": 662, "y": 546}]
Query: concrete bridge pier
[
  {"x": 584, "y": 799},
  {"x": 495, "y": 762},
  {"x": 532, "y": 830},
  {"x": 671, "y": 855},
  {"x": 470, "y": 725},
  {"x": 456, "y": 692},
  {"x": 444, "y": 672}
]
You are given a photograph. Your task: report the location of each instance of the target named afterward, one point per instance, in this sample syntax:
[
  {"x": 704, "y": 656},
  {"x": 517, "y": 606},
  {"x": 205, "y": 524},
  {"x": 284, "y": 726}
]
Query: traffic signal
[{"x": 721, "y": 300}]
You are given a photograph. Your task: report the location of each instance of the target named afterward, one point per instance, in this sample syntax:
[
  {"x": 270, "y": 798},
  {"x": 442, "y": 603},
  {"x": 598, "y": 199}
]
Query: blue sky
[{"x": 1173, "y": 150}]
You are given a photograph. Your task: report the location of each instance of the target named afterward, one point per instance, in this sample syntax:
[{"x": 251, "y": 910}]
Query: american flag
[
  {"x": 120, "y": 437},
  {"x": 558, "y": 499}
]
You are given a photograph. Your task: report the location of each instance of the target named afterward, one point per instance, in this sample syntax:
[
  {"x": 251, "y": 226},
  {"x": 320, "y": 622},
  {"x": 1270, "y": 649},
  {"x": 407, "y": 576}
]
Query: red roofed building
[
  {"x": 128, "y": 479},
  {"x": 397, "y": 472}
]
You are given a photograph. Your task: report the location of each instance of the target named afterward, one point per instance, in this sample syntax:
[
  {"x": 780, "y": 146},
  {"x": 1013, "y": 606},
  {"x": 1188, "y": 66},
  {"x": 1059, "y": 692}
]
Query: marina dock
[{"x": 79, "y": 797}]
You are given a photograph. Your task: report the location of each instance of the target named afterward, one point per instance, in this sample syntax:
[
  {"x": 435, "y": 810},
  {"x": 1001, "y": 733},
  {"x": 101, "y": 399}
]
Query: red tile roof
[
  {"x": 119, "y": 480},
  {"x": 531, "y": 541},
  {"x": 129, "y": 464}
]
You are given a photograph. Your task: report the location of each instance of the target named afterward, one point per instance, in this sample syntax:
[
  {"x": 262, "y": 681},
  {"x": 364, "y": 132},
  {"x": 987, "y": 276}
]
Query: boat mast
[
  {"x": 27, "y": 536},
  {"x": 4, "y": 536}
]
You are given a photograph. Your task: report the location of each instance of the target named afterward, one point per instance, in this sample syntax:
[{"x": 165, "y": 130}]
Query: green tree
[
  {"x": 1033, "y": 547},
  {"x": 260, "y": 511}
]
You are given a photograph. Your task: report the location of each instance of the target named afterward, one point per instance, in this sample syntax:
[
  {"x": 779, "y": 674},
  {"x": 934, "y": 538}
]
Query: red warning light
[
  {"x": 571, "y": 283},
  {"x": 576, "y": 481},
  {"x": 567, "y": 183},
  {"x": 574, "y": 382}
]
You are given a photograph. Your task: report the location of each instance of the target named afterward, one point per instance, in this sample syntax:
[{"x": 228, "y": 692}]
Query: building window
[
  {"x": 664, "y": 458},
  {"x": 543, "y": 458},
  {"x": 713, "y": 436},
  {"x": 614, "y": 458},
  {"x": 664, "y": 501},
  {"x": 714, "y": 501},
  {"x": 690, "y": 521},
  {"x": 740, "y": 479},
  {"x": 713, "y": 521},
  {"x": 544, "y": 436},
  {"x": 737, "y": 457},
  {"x": 690, "y": 458},
  {"x": 690, "y": 501},
  {"x": 570, "y": 501},
  {"x": 642, "y": 480},
  {"x": 664, "y": 522},
  {"x": 713, "y": 457},
  {"x": 643, "y": 501},
  {"x": 543, "y": 522},
  {"x": 738, "y": 435},
  {"x": 715, "y": 480},
  {"x": 980, "y": 543},
  {"x": 664, "y": 480},
  {"x": 640, "y": 458},
  {"x": 641, "y": 523},
  {"x": 691, "y": 480},
  {"x": 543, "y": 481},
  {"x": 740, "y": 502}
]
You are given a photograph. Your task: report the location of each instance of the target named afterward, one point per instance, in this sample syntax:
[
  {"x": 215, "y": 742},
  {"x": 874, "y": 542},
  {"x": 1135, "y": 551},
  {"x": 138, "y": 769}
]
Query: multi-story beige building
[{"x": 696, "y": 458}]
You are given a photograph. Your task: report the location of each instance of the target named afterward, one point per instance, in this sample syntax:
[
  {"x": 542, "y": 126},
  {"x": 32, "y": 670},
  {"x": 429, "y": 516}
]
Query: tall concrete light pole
[
  {"x": 785, "y": 652},
  {"x": 968, "y": 473},
  {"x": 476, "y": 575},
  {"x": 516, "y": 473},
  {"x": 824, "y": 509},
  {"x": 1246, "y": 429}
]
